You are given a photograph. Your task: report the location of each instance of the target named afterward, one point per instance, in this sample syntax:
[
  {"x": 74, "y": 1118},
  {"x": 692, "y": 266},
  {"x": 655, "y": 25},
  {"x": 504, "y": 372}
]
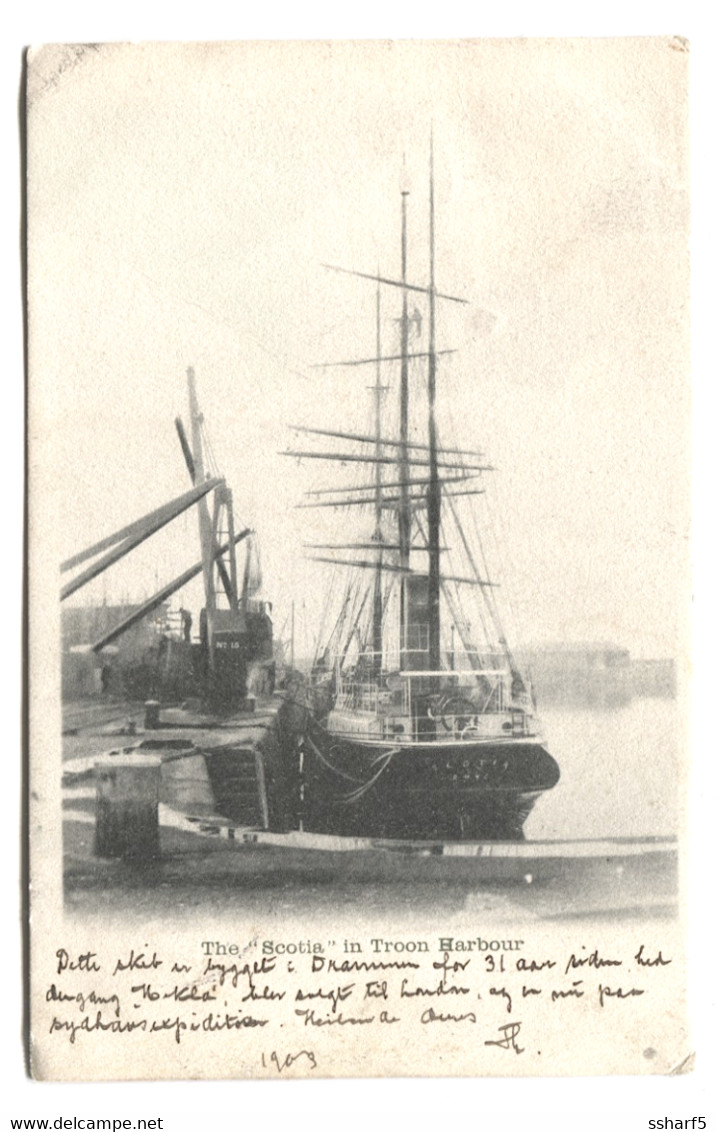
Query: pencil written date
[{"x": 299, "y": 993}]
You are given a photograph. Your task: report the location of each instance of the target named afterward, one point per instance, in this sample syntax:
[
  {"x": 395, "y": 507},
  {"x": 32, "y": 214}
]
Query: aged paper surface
[{"x": 182, "y": 201}]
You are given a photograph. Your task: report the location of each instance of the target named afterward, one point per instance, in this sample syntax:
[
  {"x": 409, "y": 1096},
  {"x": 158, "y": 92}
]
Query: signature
[
  {"x": 282, "y": 1063},
  {"x": 510, "y": 1033}
]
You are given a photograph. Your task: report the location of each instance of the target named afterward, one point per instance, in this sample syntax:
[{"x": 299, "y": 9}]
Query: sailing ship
[{"x": 416, "y": 721}]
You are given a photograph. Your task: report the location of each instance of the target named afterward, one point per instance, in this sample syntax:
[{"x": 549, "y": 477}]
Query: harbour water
[{"x": 622, "y": 771}]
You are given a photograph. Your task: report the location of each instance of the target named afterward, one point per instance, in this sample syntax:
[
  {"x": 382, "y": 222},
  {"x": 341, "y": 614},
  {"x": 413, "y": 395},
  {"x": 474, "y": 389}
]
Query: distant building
[
  {"x": 579, "y": 657},
  {"x": 84, "y": 672},
  {"x": 654, "y": 678},
  {"x": 85, "y": 624},
  {"x": 595, "y": 673}
]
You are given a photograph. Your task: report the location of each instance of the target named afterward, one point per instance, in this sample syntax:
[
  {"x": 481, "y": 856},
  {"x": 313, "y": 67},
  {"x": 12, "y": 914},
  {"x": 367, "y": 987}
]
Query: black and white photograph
[{"x": 358, "y": 577}]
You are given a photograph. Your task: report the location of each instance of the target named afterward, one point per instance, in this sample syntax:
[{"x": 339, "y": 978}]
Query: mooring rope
[{"x": 354, "y": 796}]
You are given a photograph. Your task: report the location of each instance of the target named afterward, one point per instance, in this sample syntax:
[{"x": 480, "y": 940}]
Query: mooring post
[
  {"x": 151, "y": 715},
  {"x": 127, "y": 805}
]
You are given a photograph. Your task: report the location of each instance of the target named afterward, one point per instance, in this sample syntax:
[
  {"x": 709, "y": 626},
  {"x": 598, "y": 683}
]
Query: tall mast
[
  {"x": 377, "y": 402},
  {"x": 205, "y": 523},
  {"x": 434, "y": 487},
  {"x": 404, "y": 513},
  {"x": 404, "y": 506},
  {"x": 292, "y": 657},
  {"x": 377, "y": 633}
]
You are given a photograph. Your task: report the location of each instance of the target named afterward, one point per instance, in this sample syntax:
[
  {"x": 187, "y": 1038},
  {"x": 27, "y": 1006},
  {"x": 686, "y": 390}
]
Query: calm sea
[{"x": 622, "y": 771}]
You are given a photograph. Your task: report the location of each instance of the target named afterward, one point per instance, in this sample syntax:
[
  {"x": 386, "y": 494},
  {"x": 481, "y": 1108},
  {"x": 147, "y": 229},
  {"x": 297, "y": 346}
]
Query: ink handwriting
[
  {"x": 508, "y": 1041},
  {"x": 288, "y": 1059},
  {"x": 97, "y": 996}
]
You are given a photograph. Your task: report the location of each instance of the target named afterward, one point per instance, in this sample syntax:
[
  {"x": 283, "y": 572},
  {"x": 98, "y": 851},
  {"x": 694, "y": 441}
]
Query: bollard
[
  {"x": 151, "y": 715},
  {"x": 127, "y": 806}
]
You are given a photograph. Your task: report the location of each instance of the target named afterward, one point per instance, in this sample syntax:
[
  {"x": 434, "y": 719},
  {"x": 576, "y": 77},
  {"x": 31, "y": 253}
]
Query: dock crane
[{"x": 234, "y": 636}]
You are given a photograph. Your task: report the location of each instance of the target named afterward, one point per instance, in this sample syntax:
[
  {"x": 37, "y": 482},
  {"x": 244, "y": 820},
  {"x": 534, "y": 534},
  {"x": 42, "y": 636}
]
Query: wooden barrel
[{"x": 127, "y": 805}]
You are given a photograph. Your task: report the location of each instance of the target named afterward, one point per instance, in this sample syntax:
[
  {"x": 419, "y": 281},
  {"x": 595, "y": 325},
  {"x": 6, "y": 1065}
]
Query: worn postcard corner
[{"x": 358, "y": 580}]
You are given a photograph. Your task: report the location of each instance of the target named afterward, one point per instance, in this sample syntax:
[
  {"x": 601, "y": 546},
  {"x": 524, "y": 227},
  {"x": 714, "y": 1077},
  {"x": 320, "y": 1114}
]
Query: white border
[{"x": 580, "y": 1104}]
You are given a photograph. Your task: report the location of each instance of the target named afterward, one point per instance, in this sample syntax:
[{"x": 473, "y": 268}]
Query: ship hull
[{"x": 467, "y": 790}]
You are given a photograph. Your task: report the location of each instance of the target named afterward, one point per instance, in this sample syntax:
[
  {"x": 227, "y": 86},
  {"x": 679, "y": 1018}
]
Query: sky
[{"x": 182, "y": 200}]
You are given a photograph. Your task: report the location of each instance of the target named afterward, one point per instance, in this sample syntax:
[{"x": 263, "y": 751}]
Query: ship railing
[
  {"x": 392, "y": 690},
  {"x": 372, "y": 696},
  {"x": 460, "y": 717},
  {"x": 457, "y": 661}
]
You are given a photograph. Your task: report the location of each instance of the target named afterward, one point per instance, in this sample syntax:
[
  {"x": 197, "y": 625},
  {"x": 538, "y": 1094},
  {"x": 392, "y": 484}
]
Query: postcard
[{"x": 358, "y": 579}]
